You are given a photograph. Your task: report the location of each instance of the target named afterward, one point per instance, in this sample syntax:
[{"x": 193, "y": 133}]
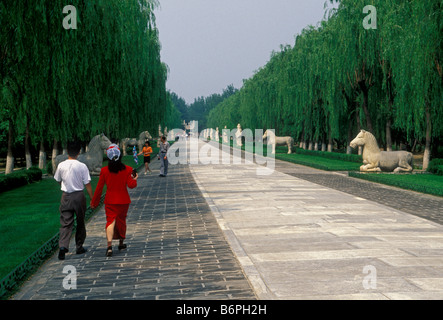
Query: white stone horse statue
[
  {"x": 130, "y": 142},
  {"x": 94, "y": 157},
  {"x": 278, "y": 141},
  {"x": 375, "y": 160}
]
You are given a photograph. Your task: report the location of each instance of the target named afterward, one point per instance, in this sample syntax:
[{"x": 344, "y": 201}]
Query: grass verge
[
  {"x": 425, "y": 182},
  {"x": 319, "y": 162}
]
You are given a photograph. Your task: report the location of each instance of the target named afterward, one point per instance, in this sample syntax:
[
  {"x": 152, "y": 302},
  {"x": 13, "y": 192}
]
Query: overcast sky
[{"x": 210, "y": 44}]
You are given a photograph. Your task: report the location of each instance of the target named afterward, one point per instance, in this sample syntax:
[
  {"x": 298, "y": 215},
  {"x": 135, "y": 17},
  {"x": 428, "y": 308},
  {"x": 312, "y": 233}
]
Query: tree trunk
[
  {"x": 330, "y": 142},
  {"x": 427, "y": 154},
  {"x": 357, "y": 119},
  {"x": 10, "y": 156},
  {"x": 54, "y": 153},
  {"x": 365, "y": 106},
  {"x": 42, "y": 156},
  {"x": 323, "y": 146},
  {"x": 27, "y": 149},
  {"x": 348, "y": 147},
  {"x": 388, "y": 135}
]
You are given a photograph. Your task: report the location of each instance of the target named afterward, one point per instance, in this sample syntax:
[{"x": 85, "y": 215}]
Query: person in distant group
[
  {"x": 164, "y": 147},
  {"x": 73, "y": 177},
  {"x": 147, "y": 151},
  {"x": 117, "y": 178}
]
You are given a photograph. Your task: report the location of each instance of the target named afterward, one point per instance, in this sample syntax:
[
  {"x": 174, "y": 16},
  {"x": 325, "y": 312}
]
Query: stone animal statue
[
  {"x": 375, "y": 160},
  {"x": 160, "y": 134},
  {"x": 225, "y": 136},
  {"x": 278, "y": 141},
  {"x": 94, "y": 157},
  {"x": 238, "y": 135},
  {"x": 130, "y": 142}
]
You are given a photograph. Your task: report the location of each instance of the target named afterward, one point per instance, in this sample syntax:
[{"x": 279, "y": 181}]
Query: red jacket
[{"x": 117, "y": 186}]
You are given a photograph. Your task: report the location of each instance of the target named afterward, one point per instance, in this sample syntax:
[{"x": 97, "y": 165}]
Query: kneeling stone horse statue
[
  {"x": 94, "y": 157},
  {"x": 375, "y": 160}
]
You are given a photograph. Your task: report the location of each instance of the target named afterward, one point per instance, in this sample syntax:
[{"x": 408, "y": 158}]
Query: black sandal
[
  {"x": 109, "y": 252},
  {"x": 122, "y": 246}
]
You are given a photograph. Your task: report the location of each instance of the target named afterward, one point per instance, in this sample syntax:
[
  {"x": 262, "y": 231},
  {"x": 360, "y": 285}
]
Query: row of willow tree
[
  {"x": 340, "y": 77},
  {"x": 58, "y": 84},
  {"x": 201, "y": 107}
]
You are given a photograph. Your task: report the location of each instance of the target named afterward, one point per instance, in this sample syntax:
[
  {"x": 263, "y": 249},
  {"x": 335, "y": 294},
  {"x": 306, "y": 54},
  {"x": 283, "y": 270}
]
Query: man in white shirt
[{"x": 73, "y": 177}]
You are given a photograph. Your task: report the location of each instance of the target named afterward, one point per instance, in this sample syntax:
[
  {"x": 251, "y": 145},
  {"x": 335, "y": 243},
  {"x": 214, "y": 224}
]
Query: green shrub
[
  {"x": 436, "y": 166},
  {"x": 19, "y": 178},
  {"x": 49, "y": 168}
]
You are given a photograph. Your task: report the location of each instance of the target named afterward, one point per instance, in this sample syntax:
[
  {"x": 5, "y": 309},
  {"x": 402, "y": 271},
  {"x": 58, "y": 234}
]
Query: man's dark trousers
[{"x": 72, "y": 204}]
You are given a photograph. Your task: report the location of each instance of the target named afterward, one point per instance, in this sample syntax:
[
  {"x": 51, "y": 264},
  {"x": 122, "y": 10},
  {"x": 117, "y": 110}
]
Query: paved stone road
[
  {"x": 419, "y": 204},
  {"x": 298, "y": 239},
  {"x": 416, "y": 203},
  {"x": 299, "y": 233},
  {"x": 176, "y": 250}
]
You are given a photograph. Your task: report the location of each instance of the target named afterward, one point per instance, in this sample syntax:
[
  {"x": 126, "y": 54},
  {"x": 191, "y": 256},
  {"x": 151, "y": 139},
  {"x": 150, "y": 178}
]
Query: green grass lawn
[
  {"x": 426, "y": 183},
  {"x": 29, "y": 216},
  {"x": 27, "y": 223},
  {"x": 319, "y": 162}
]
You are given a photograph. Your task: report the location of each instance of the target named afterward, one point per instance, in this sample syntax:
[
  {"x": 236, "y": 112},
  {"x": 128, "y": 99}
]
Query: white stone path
[{"x": 298, "y": 240}]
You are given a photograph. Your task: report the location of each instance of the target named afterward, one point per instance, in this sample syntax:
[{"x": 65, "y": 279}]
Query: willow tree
[
  {"x": 60, "y": 84},
  {"x": 415, "y": 53},
  {"x": 355, "y": 55},
  {"x": 16, "y": 65},
  {"x": 351, "y": 72}
]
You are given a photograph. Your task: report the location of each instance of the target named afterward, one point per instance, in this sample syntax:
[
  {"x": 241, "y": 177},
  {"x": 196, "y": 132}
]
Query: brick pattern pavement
[{"x": 176, "y": 251}]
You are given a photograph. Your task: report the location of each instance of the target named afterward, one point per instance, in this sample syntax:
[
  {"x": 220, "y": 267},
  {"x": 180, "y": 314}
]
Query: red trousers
[{"x": 117, "y": 213}]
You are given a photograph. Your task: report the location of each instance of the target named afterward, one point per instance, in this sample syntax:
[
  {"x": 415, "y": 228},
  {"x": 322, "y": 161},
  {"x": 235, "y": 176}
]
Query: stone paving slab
[
  {"x": 296, "y": 239},
  {"x": 176, "y": 251}
]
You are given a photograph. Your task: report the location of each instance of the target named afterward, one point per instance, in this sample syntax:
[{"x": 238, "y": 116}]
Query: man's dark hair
[{"x": 74, "y": 148}]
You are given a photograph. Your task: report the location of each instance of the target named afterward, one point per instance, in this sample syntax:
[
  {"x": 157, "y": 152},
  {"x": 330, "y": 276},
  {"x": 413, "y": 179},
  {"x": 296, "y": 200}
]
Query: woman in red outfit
[{"x": 117, "y": 178}]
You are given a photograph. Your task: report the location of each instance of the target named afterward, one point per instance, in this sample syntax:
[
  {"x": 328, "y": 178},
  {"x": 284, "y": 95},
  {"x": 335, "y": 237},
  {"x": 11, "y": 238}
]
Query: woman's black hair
[
  {"x": 147, "y": 142},
  {"x": 115, "y": 166}
]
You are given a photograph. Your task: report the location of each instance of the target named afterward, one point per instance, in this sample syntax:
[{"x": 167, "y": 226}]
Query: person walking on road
[
  {"x": 73, "y": 177},
  {"x": 118, "y": 178},
  {"x": 147, "y": 151},
  {"x": 164, "y": 147}
]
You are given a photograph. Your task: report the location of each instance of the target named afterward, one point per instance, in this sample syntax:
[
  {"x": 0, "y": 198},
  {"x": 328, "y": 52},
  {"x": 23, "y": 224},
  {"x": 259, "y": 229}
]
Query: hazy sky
[{"x": 210, "y": 44}]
